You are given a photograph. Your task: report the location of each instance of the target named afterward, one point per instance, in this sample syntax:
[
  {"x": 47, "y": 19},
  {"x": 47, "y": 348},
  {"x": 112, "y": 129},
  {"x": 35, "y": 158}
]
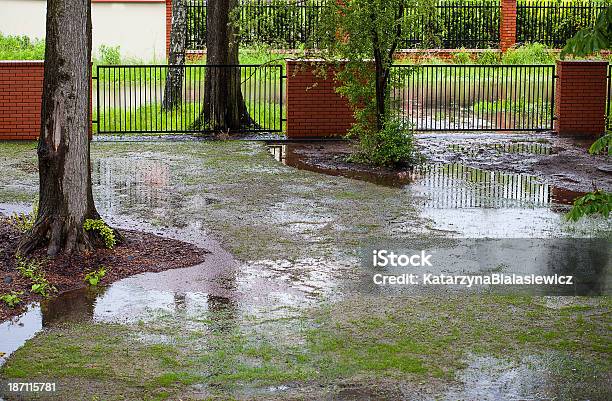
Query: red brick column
[
  {"x": 168, "y": 26},
  {"x": 314, "y": 109},
  {"x": 580, "y": 98},
  {"x": 507, "y": 24},
  {"x": 21, "y": 84}
]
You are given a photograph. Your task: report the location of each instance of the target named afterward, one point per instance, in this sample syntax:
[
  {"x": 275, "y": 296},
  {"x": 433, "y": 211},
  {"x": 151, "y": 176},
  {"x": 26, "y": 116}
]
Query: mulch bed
[{"x": 139, "y": 253}]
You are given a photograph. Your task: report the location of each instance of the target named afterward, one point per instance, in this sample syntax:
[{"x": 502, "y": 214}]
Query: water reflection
[
  {"x": 131, "y": 181},
  {"x": 451, "y": 185}
]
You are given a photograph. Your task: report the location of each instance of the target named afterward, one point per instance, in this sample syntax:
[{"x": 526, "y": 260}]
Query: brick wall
[
  {"x": 314, "y": 109},
  {"x": 507, "y": 24},
  {"x": 21, "y": 84},
  {"x": 580, "y": 98},
  {"x": 168, "y": 26}
]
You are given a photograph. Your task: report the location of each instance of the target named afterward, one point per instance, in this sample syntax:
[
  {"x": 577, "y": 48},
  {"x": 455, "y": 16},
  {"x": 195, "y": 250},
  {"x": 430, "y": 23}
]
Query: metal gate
[
  {"x": 129, "y": 99},
  {"x": 474, "y": 97}
]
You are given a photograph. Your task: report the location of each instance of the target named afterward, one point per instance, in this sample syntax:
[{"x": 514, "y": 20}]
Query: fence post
[
  {"x": 580, "y": 98},
  {"x": 168, "y": 27},
  {"x": 507, "y": 24},
  {"x": 314, "y": 108}
]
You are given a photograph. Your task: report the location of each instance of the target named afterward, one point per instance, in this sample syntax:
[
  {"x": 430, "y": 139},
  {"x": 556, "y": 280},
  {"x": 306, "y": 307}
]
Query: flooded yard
[{"x": 278, "y": 309}]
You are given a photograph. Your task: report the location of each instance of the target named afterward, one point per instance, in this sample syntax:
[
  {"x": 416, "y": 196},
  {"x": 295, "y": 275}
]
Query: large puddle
[{"x": 461, "y": 200}]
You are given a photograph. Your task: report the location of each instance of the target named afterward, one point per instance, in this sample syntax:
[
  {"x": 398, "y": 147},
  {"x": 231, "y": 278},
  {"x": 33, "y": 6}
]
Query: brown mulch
[{"x": 139, "y": 253}]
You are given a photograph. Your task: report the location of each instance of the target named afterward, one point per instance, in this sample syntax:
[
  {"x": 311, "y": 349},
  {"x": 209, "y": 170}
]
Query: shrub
[
  {"x": 391, "y": 146},
  {"x": 489, "y": 57},
  {"x": 21, "y": 48},
  {"x": 107, "y": 233},
  {"x": 109, "y": 55},
  {"x": 462, "y": 57},
  {"x": 533, "y": 53}
]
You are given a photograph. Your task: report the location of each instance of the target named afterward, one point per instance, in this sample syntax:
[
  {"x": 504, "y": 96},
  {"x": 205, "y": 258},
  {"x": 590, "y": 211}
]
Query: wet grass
[
  {"x": 261, "y": 209},
  {"x": 19, "y": 166},
  {"x": 371, "y": 339},
  {"x": 153, "y": 118}
]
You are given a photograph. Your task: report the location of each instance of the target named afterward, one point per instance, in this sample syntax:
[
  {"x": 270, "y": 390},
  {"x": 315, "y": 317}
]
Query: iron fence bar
[
  {"x": 609, "y": 100},
  {"x": 474, "y": 97},
  {"x": 130, "y": 98}
]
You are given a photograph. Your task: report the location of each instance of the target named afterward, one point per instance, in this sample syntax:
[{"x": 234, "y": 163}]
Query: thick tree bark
[
  {"x": 178, "y": 38},
  {"x": 66, "y": 198},
  {"x": 224, "y": 106}
]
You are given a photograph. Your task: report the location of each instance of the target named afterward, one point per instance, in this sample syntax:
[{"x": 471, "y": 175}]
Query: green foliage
[
  {"x": 602, "y": 145},
  {"x": 29, "y": 268},
  {"x": 12, "y": 299},
  {"x": 591, "y": 40},
  {"x": 93, "y": 278},
  {"x": 462, "y": 57},
  {"x": 351, "y": 32},
  {"x": 21, "y": 48},
  {"x": 43, "y": 288},
  {"x": 32, "y": 270},
  {"x": 391, "y": 146},
  {"x": 109, "y": 55},
  {"x": 598, "y": 202},
  {"x": 99, "y": 226},
  {"x": 24, "y": 222},
  {"x": 489, "y": 57},
  {"x": 532, "y": 53}
]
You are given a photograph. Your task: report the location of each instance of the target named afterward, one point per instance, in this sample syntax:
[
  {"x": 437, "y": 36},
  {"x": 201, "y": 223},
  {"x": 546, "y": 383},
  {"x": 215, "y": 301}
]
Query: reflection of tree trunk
[
  {"x": 66, "y": 198},
  {"x": 178, "y": 38},
  {"x": 73, "y": 306},
  {"x": 224, "y": 106}
]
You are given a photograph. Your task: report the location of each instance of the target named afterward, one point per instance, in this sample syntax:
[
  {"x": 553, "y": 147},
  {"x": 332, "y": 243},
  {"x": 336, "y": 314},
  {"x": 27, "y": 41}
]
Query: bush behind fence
[{"x": 456, "y": 24}]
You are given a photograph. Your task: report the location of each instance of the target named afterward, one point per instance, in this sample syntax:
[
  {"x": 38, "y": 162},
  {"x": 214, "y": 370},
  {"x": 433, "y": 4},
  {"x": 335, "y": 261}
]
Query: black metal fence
[
  {"x": 286, "y": 23},
  {"x": 474, "y": 97},
  {"x": 455, "y": 24},
  {"x": 553, "y": 22},
  {"x": 130, "y": 98},
  {"x": 609, "y": 100}
]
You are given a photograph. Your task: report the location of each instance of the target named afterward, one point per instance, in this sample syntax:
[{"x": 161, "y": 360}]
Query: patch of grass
[
  {"x": 380, "y": 338},
  {"x": 151, "y": 117}
]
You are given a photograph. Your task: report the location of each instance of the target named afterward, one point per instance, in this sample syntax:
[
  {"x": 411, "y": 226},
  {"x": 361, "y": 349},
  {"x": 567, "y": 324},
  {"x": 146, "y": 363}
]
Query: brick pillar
[
  {"x": 507, "y": 24},
  {"x": 168, "y": 26},
  {"x": 314, "y": 108},
  {"x": 580, "y": 98}
]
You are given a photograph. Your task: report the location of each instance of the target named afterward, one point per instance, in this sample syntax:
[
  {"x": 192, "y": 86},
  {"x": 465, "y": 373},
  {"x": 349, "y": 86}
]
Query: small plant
[
  {"x": 598, "y": 202},
  {"x": 12, "y": 299},
  {"x": 533, "y": 53},
  {"x": 602, "y": 145},
  {"x": 109, "y": 55},
  {"x": 24, "y": 222},
  {"x": 489, "y": 57},
  {"x": 462, "y": 57},
  {"x": 107, "y": 233},
  {"x": 42, "y": 287},
  {"x": 93, "y": 278},
  {"x": 32, "y": 270},
  {"x": 29, "y": 268}
]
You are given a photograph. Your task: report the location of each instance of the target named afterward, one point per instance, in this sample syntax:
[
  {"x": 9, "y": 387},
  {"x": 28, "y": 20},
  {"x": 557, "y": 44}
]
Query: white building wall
[{"x": 139, "y": 28}]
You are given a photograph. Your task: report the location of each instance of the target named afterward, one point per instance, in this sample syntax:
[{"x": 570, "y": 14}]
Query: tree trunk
[
  {"x": 66, "y": 198},
  {"x": 381, "y": 92},
  {"x": 224, "y": 106},
  {"x": 178, "y": 38}
]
